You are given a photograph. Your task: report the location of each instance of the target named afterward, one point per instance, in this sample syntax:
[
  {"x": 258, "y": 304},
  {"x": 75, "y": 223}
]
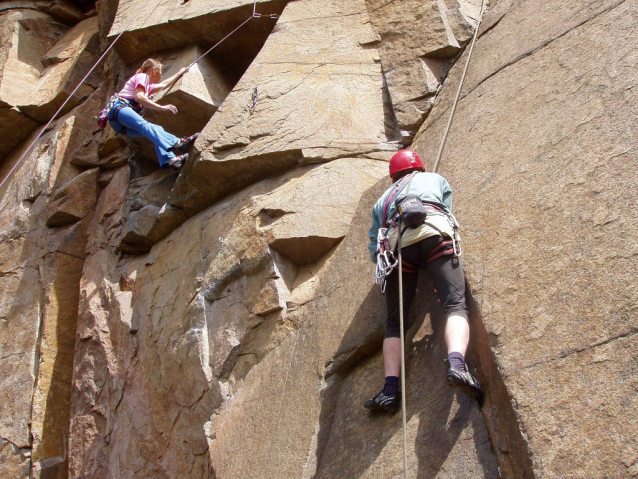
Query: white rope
[
  {"x": 402, "y": 336},
  {"x": 401, "y": 326},
  {"x": 254, "y": 15},
  {"x": 458, "y": 93},
  {"x": 73, "y": 93}
]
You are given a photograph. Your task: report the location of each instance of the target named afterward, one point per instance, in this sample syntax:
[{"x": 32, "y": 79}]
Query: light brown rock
[
  {"x": 297, "y": 391},
  {"x": 73, "y": 200},
  {"x": 418, "y": 43},
  {"x": 205, "y": 22},
  {"x": 542, "y": 138},
  {"x": 15, "y": 463},
  {"x": 309, "y": 103},
  {"x": 52, "y": 395},
  {"x": 219, "y": 329},
  {"x": 25, "y": 36},
  {"x": 256, "y": 321},
  {"x": 64, "y": 66}
]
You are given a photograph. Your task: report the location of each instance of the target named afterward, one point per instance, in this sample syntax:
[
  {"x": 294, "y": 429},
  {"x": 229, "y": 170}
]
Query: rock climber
[
  {"x": 432, "y": 246},
  {"x": 125, "y": 113}
]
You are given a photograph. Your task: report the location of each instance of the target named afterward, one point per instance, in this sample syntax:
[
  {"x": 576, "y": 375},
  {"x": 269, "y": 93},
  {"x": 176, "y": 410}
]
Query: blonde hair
[{"x": 149, "y": 64}]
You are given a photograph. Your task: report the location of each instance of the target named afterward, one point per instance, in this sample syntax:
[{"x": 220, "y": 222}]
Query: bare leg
[
  {"x": 457, "y": 335},
  {"x": 392, "y": 356}
]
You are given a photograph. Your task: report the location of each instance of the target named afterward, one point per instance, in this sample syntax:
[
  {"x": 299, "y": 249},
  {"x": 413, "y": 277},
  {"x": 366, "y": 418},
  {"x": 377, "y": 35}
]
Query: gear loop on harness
[{"x": 386, "y": 260}]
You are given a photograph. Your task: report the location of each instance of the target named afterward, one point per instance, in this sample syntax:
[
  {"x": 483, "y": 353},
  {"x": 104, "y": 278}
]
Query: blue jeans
[{"x": 137, "y": 126}]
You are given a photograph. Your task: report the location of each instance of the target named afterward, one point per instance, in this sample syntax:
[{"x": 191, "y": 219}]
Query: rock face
[
  {"x": 42, "y": 64},
  {"x": 222, "y": 320},
  {"x": 555, "y": 295}
]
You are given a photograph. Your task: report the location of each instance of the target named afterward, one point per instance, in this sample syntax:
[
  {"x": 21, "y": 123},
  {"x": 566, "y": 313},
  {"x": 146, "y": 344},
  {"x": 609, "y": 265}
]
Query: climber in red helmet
[{"x": 418, "y": 206}]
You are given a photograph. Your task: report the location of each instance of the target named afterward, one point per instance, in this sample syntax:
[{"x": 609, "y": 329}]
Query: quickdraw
[
  {"x": 254, "y": 104},
  {"x": 386, "y": 261},
  {"x": 265, "y": 15}
]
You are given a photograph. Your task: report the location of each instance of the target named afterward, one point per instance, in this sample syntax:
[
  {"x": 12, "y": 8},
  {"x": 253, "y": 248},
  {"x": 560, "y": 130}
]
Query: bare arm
[
  {"x": 169, "y": 80},
  {"x": 142, "y": 99}
]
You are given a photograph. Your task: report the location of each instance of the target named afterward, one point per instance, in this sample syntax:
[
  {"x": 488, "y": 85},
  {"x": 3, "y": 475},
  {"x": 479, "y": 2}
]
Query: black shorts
[{"x": 446, "y": 273}]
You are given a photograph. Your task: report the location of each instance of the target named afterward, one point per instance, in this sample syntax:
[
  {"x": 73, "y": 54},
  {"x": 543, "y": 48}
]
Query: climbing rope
[
  {"x": 458, "y": 92},
  {"x": 402, "y": 336},
  {"x": 73, "y": 92},
  {"x": 401, "y": 327},
  {"x": 254, "y": 15},
  {"x": 22, "y": 157}
]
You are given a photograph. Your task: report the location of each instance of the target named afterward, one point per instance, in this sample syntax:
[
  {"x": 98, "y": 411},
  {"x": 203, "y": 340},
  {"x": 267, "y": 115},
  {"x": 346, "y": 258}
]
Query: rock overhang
[{"x": 164, "y": 26}]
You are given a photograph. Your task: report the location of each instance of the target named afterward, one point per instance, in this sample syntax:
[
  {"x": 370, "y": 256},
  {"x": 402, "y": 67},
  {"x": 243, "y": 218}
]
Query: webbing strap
[{"x": 398, "y": 186}]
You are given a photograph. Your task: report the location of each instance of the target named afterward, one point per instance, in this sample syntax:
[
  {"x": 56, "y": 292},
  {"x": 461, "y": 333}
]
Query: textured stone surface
[
  {"x": 418, "y": 43},
  {"x": 15, "y": 463},
  {"x": 227, "y": 323},
  {"x": 306, "y": 396},
  {"x": 166, "y": 25},
  {"x": 320, "y": 97},
  {"x": 200, "y": 293},
  {"x": 41, "y": 268},
  {"x": 42, "y": 65},
  {"x": 73, "y": 200},
  {"x": 197, "y": 94},
  {"x": 557, "y": 294},
  {"x": 52, "y": 398},
  {"x": 25, "y": 37}
]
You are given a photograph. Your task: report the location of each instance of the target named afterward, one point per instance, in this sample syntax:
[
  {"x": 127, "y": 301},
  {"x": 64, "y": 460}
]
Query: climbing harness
[
  {"x": 100, "y": 116},
  {"x": 254, "y": 103},
  {"x": 387, "y": 260},
  {"x": 439, "y": 251},
  {"x": 115, "y": 105}
]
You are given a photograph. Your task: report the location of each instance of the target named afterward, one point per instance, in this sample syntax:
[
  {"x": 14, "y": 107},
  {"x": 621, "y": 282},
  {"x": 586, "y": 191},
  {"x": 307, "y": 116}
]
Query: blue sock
[
  {"x": 457, "y": 361},
  {"x": 391, "y": 387}
]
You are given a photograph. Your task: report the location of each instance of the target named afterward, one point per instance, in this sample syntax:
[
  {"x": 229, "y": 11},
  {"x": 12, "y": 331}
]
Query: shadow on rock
[{"x": 445, "y": 431}]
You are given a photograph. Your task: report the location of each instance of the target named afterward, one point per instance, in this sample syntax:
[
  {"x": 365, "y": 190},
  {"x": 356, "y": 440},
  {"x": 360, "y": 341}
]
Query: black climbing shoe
[
  {"x": 381, "y": 401},
  {"x": 185, "y": 143},
  {"x": 178, "y": 161},
  {"x": 465, "y": 381}
]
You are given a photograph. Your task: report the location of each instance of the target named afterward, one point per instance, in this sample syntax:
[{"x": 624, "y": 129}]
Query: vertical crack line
[{"x": 37, "y": 355}]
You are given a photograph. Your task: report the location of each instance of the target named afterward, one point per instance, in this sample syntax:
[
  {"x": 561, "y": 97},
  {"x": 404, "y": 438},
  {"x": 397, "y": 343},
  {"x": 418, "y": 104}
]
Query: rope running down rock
[
  {"x": 402, "y": 333},
  {"x": 458, "y": 93}
]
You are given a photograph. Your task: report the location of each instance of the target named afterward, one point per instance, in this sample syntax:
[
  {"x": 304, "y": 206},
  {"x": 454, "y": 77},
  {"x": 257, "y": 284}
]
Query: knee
[
  {"x": 392, "y": 332},
  {"x": 459, "y": 312}
]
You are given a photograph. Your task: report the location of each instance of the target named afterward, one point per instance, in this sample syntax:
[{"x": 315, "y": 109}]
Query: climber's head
[
  {"x": 404, "y": 162},
  {"x": 153, "y": 69}
]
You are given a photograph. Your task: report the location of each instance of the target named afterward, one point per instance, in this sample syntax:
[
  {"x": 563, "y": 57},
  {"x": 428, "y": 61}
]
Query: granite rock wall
[{"x": 221, "y": 321}]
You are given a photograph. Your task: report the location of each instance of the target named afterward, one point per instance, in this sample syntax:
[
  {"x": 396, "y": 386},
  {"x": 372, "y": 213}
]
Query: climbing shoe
[
  {"x": 381, "y": 401},
  {"x": 185, "y": 143},
  {"x": 465, "y": 381},
  {"x": 178, "y": 161}
]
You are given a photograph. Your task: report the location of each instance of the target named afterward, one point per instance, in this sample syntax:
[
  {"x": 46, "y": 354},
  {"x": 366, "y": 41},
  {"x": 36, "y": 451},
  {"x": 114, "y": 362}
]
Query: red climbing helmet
[{"x": 404, "y": 160}]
